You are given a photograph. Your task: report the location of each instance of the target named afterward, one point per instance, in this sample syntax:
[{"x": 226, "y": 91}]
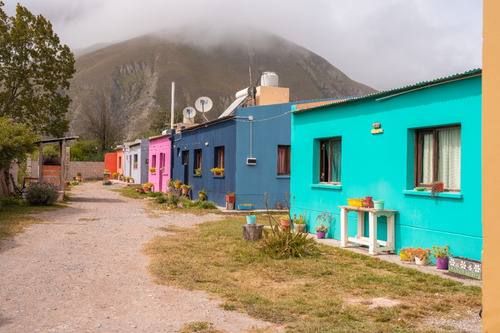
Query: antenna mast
[{"x": 172, "y": 107}]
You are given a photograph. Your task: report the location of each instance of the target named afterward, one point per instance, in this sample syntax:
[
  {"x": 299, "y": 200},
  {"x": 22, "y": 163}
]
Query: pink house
[{"x": 159, "y": 159}]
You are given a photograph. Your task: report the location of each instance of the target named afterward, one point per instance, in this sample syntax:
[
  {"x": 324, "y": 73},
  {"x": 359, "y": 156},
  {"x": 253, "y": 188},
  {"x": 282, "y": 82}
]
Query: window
[
  {"x": 284, "y": 160},
  {"x": 153, "y": 161},
  {"x": 120, "y": 162},
  {"x": 219, "y": 157},
  {"x": 135, "y": 161},
  {"x": 329, "y": 160},
  {"x": 438, "y": 156},
  {"x": 197, "y": 159}
]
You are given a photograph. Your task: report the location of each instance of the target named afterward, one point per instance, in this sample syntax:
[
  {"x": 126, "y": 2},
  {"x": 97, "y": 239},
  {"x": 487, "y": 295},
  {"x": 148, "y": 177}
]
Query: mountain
[{"x": 136, "y": 75}]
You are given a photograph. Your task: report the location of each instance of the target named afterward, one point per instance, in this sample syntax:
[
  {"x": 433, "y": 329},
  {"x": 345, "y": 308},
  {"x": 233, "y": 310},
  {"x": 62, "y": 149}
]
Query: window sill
[
  {"x": 283, "y": 177},
  {"x": 326, "y": 186},
  {"x": 219, "y": 177},
  {"x": 450, "y": 195},
  {"x": 196, "y": 175}
]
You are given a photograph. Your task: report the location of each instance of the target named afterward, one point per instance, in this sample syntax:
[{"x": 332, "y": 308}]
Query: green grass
[
  {"x": 308, "y": 294},
  {"x": 15, "y": 216}
]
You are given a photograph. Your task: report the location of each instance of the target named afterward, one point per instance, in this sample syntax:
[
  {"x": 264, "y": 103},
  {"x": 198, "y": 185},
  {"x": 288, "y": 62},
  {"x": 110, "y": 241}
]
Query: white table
[{"x": 375, "y": 246}]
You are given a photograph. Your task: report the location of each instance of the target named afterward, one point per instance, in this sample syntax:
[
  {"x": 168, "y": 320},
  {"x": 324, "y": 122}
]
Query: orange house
[{"x": 111, "y": 163}]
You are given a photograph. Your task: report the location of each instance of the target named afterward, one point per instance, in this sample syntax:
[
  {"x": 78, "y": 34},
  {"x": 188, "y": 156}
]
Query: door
[
  {"x": 160, "y": 172},
  {"x": 185, "y": 163}
]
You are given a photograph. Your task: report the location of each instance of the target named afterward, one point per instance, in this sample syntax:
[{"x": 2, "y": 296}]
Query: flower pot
[
  {"x": 300, "y": 227},
  {"x": 145, "y": 188},
  {"x": 202, "y": 196},
  {"x": 286, "y": 224},
  {"x": 230, "y": 198},
  {"x": 251, "y": 219},
  {"x": 185, "y": 191},
  {"x": 378, "y": 204},
  {"x": 79, "y": 178},
  {"x": 177, "y": 185},
  {"x": 320, "y": 234},
  {"x": 442, "y": 263},
  {"x": 368, "y": 199},
  {"x": 420, "y": 262}
]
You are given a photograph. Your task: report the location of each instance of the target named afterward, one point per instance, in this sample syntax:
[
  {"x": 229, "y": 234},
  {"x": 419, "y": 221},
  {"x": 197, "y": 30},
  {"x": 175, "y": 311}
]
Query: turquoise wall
[{"x": 382, "y": 165}]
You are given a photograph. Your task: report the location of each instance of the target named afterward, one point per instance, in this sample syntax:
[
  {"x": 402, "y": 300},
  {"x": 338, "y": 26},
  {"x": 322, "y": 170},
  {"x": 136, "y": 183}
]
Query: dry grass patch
[
  {"x": 88, "y": 219},
  {"x": 199, "y": 327},
  {"x": 305, "y": 295}
]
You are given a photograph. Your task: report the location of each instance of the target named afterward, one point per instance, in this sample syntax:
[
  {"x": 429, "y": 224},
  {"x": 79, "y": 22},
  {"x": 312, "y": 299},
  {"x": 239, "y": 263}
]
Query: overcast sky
[{"x": 382, "y": 43}]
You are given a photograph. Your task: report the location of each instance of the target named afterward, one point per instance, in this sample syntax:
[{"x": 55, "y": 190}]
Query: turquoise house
[{"x": 387, "y": 144}]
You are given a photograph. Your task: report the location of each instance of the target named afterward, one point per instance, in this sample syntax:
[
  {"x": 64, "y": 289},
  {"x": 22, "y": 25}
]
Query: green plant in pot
[
  {"x": 185, "y": 189},
  {"x": 442, "y": 255},
  {"x": 407, "y": 254},
  {"x": 300, "y": 223},
  {"x": 323, "y": 222},
  {"x": 202, "y": 194},
  {"x": 147, "y": 186},
  {"x": 197, "y": 171},
  {"x": 421, "y": 256}
]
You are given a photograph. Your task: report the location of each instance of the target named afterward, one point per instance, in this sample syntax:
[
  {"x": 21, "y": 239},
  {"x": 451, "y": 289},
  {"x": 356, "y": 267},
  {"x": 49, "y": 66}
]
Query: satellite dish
[
  {"x": 189, "y": 112},
  {"x": 203, "y": 104}
]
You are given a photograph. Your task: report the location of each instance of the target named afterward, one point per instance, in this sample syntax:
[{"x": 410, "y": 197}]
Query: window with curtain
[
  {"x": 197, "y": 159},
  {"x": 219, "y": 157},
  {"x": 284, "y": 160},
  {"x": 438, "y": 157},
  {"x": 330, "y": 153}
]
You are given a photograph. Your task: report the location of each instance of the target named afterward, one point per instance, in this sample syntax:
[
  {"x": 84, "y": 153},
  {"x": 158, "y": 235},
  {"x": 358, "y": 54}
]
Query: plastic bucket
[
  {"x": 251, "y": 219},
  {"x": 378, "y": 204}
]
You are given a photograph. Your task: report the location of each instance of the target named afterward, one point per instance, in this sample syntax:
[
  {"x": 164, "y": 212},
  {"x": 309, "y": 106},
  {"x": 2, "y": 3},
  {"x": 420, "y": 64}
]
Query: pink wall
[
  {"x": 159, "y": 157},
  {"x": 119, "y": 158}
]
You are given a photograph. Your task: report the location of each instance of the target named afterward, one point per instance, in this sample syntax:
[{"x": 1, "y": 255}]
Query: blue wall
[
  {"x": 270, "y": 128},
  {"x": 382, "y": 165},
  {"x": 217, "y": 134}
]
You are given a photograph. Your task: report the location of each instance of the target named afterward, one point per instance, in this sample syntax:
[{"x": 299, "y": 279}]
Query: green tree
[
  {"x": 34, "y": 72},
  {"x": 16, "y": 140}
]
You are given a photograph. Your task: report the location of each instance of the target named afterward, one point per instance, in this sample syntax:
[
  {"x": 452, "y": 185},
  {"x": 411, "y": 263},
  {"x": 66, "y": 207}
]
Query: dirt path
[{"x": 83, "y": 270}]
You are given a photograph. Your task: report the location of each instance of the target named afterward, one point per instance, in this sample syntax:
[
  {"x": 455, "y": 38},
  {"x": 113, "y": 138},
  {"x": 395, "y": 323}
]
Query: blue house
[
  {"x": 251, "y": 144},
  {"x": 387, "y": 145}
]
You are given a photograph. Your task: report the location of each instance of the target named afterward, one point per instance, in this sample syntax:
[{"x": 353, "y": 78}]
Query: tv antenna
[
  {"x": 189, "y": 113},
  {"x": 203, "y": 104}
]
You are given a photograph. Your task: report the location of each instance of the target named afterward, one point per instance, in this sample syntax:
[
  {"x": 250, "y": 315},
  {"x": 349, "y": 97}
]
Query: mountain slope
[{"x": 136, "y": 75}]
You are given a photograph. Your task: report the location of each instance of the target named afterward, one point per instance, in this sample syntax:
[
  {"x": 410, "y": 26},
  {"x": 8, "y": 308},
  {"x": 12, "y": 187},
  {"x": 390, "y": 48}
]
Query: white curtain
[
  {"x": 427, "y": 158},
  {"x": 449, "y": 157}
]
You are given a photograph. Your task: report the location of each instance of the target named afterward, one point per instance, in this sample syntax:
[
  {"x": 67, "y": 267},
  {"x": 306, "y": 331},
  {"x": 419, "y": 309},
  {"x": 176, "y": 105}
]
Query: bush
[
  {"x": 9, "y": 201},
  {"x": 160, "y": 199},
  {"x": 154, "y": 194},
  {"x": 283, "y": 244},
  {"x": 41, "y": 194},
  {"x": 202, "y": 204}
]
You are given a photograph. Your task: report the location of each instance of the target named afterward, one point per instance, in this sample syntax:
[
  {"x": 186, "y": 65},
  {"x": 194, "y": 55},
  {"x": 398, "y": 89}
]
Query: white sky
[{"x": 382, "y": 43}]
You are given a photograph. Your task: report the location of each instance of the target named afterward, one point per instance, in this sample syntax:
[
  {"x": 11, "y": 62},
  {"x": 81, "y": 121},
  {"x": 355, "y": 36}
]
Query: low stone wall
[{"x": 89, "y": 170}]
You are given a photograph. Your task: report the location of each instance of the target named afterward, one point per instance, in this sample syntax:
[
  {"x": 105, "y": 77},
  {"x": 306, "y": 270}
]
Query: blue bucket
[{"x": 251, "y": 219}]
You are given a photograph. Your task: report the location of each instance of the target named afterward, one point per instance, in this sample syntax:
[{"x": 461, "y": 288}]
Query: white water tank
[{"x": 269, "y": 79}]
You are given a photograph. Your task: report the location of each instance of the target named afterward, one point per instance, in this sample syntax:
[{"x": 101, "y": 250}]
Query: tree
[
  {"x": 16, "y": 140},
  {"x": 34, "y": 72},
  {"x": 100, "y": 123}
]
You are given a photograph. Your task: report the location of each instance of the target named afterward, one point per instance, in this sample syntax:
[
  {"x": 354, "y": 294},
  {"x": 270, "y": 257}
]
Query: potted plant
[
  {"x": 185, "y": 189},
  {"x": 79, "y": 177},
  {"x": 197, "y": 171},
  {"x": 106, "y": 174},
  {"x": 323, "y": 222},
  {"x": 216, "y": 171},
  {"x": 300, "y": 223},
  {"x": 407, "y": 254},
  {"x": 202, "y": 194},
  {"x": 147, "y": 186},
  {"x": 436, "y": 187},
  {"x": 421, "y": 256},
  {"x": 114, "y": 175},
  {"x": 442, "y": 255},
  {"x": 251, "y": 219},
  {"x": 245, "y": 206},
  {"x": 231, "y": 196},
  {"x": 177, "y": 183},
  {"x": 135, "y": 165},
  {"x": 286, "y": 222},
  {"x": 152, "y": 170}
]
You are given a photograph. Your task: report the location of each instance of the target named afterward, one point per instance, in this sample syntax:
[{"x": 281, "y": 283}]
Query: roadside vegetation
[
  {"x": 330, "y": 292},
  {"x": 15, "y": 216}
]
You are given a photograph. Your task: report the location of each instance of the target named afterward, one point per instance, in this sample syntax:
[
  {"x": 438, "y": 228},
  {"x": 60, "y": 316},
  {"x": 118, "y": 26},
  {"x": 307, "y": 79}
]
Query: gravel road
[{"x": 83, "y": 271}]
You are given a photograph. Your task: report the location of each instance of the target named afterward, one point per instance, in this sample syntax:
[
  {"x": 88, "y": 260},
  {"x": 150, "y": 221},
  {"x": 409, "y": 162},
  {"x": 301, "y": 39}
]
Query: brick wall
[{"x": 89, "y": 170}]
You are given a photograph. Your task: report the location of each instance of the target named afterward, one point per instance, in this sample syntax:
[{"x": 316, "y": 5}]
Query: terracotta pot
[
  {"x": 286, "y": 224},
  {"x": 230, "y": 198},
  {"x": 185, "y": 191},
  {"x": 177, "y": 185},
  {"x": 146, "y": 189}
]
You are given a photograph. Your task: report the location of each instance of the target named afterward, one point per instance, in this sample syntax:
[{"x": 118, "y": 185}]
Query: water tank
[{"x": 269, "y": 79}]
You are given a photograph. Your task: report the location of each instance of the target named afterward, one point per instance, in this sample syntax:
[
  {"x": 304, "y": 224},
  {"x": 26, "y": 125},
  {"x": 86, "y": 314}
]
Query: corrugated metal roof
[{"x": 389, "y": 93}]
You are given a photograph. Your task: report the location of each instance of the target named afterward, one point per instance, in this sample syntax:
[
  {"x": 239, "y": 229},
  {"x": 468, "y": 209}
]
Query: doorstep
[{"x": 394, "y": 258}]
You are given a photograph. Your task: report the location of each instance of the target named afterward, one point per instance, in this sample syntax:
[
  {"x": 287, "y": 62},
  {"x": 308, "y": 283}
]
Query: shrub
[
  {"x": 155, "y": 194},
  {"x": 9, "y": 201},
  {"x": 160, "y": 199},
  {"x": 41, "y": 194},
  {"x": 282, "y": 244},
  {"x": 202, "y": 204},
  {"x": 107, "y": 182}
]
